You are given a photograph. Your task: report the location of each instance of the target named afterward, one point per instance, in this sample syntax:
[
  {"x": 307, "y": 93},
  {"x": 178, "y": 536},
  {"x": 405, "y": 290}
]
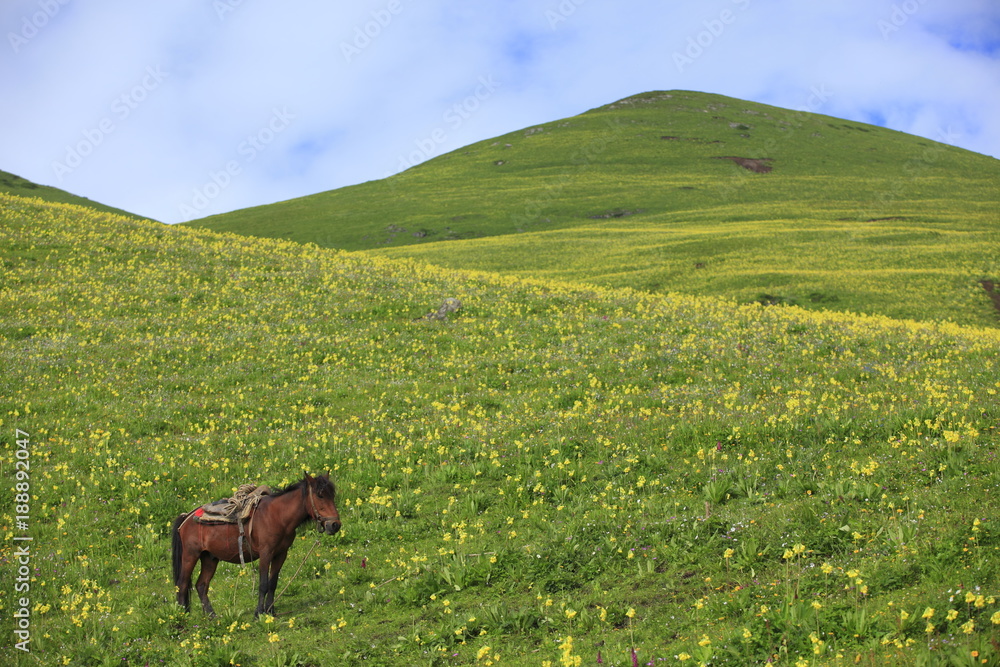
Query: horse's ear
[{"x": 305, "y": 475}]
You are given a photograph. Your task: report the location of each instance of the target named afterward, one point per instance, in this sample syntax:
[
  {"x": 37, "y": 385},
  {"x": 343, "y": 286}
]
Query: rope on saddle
[{"x": 245, "y": 500}]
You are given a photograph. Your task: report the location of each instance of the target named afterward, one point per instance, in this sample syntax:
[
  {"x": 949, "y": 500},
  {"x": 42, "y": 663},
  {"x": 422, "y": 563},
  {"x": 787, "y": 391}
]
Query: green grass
[
  {"x": 852, "y": 217},
  {"x": 553, "y": 472}
]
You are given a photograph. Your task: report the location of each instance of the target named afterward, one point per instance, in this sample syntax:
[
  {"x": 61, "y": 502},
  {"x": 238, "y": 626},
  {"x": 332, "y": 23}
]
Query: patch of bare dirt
[
  {"x": 616, "y": 213},
  {"x": 758, "y": 165}
]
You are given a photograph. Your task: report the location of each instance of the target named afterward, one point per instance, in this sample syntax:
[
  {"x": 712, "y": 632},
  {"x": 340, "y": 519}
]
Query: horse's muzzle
[{"x": 328, "y": 526}]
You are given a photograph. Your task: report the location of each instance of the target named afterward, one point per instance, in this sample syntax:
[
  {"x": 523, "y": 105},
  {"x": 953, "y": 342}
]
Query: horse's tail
[{"x": 177, "y": 548}]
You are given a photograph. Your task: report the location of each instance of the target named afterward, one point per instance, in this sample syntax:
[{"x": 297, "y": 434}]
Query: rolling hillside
[
  {"x": 553, "y": 474},
  {"x": 689, "y": 192},
  {"x": 15, "y": 185}
]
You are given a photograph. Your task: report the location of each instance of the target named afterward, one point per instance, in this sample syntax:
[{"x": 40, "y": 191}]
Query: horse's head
[{"x": 320, "y": 503}]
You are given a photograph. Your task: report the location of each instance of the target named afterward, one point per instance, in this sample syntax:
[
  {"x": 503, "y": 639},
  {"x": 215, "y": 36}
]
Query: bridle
[{"x": 320, "y": 520}]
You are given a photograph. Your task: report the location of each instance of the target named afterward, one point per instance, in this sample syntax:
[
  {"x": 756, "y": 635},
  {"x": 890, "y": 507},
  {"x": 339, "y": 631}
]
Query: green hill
[
  {"x": 689, "y": 192},
  {"x": 15, "y": 185},
  {"x": 551, "y": 473}
]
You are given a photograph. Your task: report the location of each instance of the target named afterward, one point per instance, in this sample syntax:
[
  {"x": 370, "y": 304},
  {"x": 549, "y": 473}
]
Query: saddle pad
[{"x": 216, "y": 512}]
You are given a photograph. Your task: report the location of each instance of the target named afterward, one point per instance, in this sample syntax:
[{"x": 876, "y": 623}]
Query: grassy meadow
[
  {"x": 902, "y": 269},
  {"x": 554, "y": 475},
  {"x": 641, "y": 193}
]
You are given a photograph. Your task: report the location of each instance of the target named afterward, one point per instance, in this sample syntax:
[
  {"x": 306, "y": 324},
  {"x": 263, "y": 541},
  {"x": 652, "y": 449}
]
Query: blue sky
[{"x": 193, "y": 107}]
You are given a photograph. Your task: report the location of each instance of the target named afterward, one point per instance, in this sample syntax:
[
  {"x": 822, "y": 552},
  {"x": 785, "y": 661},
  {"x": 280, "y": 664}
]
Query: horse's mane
[{"x": 323, "y": 484}]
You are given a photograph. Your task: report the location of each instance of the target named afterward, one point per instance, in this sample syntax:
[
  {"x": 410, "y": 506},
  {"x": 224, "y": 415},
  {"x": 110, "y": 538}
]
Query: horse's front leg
[
  {"x": 264, "y": 583},
  {"x": 276, "y": 563}
]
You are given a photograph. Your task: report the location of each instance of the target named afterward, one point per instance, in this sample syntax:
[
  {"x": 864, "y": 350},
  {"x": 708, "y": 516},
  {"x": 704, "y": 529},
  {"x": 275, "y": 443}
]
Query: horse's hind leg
[
  {"x": 183, "y": 582},
  {"x": 183, "y": 563},
  {"x": 208, "y": 565}
]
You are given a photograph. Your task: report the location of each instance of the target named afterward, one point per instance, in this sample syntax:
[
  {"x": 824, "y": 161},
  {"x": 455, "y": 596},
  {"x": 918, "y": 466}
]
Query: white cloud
[{"x": 369, "y": 86}]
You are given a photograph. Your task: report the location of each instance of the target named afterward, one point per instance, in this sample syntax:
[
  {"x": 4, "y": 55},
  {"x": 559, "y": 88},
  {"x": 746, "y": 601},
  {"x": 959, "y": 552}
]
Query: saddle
[
  {"x": 232, "y": 510},
  {"x": 238, "y": 509}
]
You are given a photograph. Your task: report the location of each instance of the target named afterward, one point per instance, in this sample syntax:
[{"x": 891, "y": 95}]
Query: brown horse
[{"x": 273, "y": 531}]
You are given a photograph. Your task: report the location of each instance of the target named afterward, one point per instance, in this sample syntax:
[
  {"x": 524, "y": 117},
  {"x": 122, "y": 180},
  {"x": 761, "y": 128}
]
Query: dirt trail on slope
[{"x": 991, "y": 290}]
